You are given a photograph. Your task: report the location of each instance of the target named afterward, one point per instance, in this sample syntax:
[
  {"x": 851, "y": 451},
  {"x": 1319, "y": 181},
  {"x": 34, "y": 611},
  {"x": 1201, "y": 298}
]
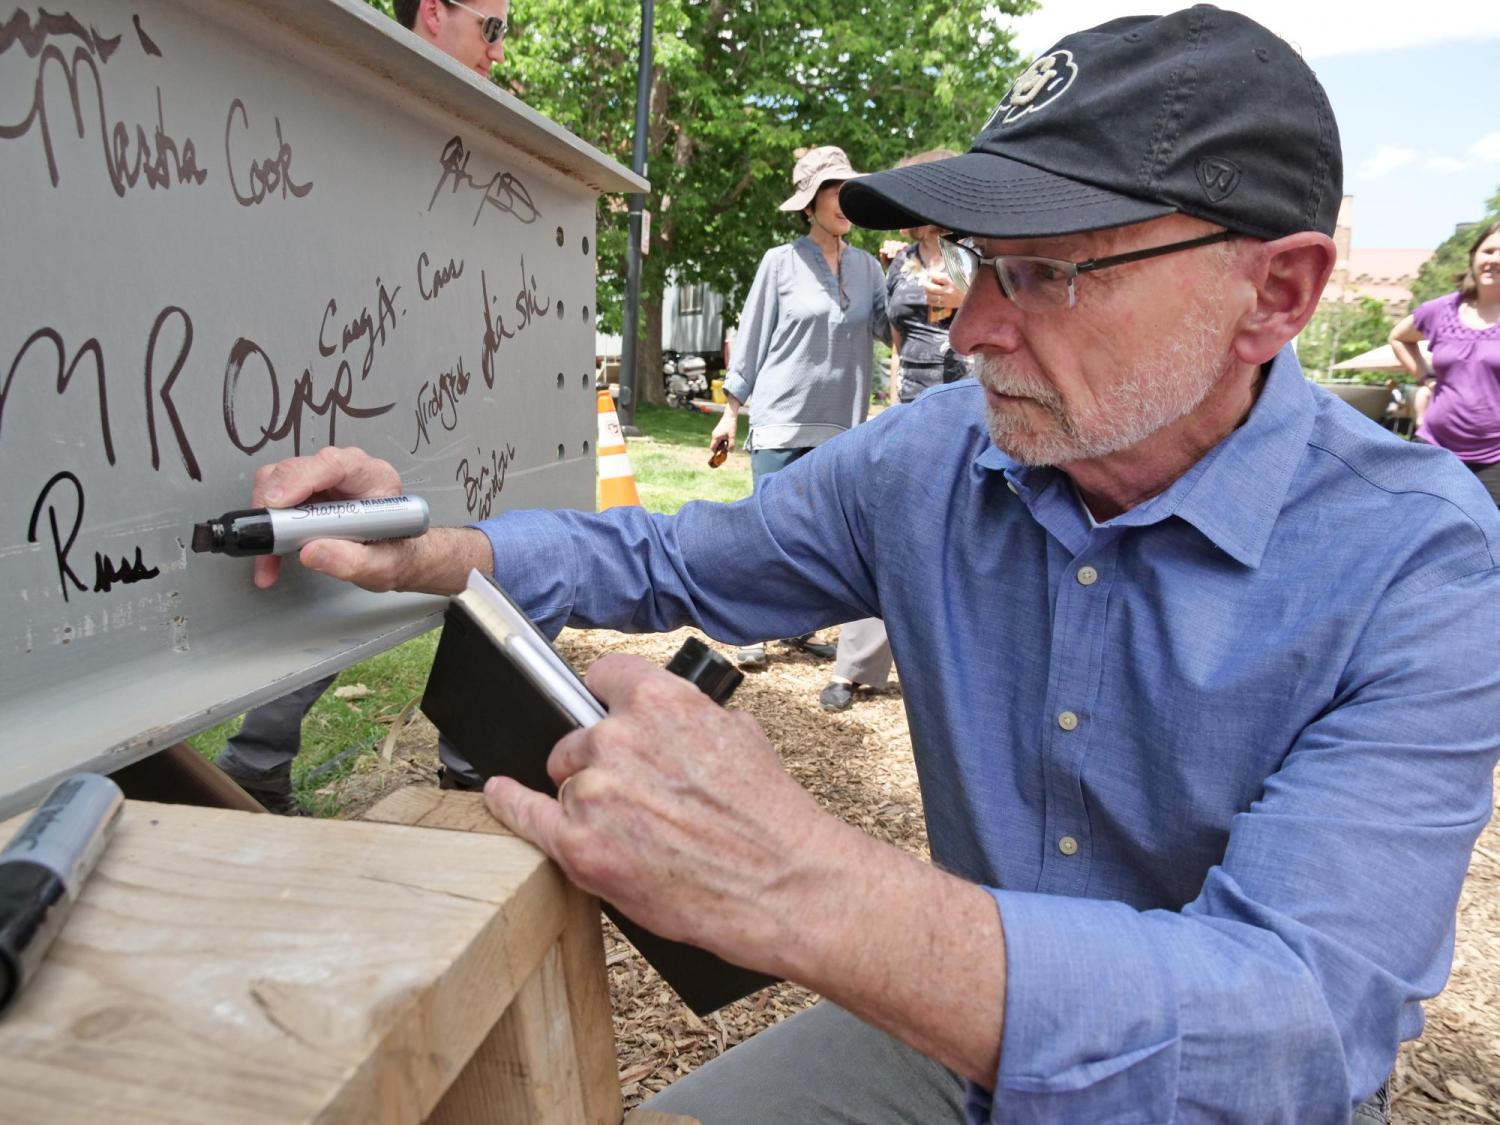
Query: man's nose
[
  {"x": 496, "y": 53},
  {"x": 986, "y": 319}
]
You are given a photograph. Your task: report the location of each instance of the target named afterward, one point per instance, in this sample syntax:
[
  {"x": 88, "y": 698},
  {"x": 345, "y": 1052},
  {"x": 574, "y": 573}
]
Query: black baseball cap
[{"x": 1203, "y": 112}]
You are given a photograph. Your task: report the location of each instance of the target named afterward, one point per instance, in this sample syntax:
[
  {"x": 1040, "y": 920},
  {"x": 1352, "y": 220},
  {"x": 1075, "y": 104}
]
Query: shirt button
[
  {"x": 1067, "y": 845},
  {"x": 1087, "y": 576},
  {"x": 1010, "y": 484},
  {"x": 1067, "y": 720}
]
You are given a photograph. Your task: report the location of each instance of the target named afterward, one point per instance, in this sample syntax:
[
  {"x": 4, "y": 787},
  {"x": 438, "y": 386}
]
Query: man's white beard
[{"x": 1157, "y": 390}]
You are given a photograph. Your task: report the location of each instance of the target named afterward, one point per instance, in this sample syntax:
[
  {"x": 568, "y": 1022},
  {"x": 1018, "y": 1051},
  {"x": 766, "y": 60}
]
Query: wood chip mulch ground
[{"x": 858, "y": 765}]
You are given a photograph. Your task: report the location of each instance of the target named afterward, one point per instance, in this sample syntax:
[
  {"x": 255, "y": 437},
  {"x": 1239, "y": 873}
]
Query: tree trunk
[
  {"x": 648, "y": 353},
  {"x": 649, "y": 387}
]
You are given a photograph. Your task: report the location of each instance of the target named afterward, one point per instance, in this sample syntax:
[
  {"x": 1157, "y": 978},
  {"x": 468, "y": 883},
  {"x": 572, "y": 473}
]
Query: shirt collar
[
  {"x": 812, "y": 254},
  {"x": 1234, "y": 492}
]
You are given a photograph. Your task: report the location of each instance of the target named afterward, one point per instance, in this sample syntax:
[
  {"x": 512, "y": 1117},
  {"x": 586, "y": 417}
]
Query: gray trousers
[
  {"x": 271, "y": 736},
  {"x": 764, "y": 462},
  {"x": 864, "y": 655},
  {"x": 825, "y": 1066}
]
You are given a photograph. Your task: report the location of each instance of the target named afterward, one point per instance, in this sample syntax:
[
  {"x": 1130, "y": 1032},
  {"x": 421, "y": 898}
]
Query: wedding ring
[{"x": 563, "y": 788}]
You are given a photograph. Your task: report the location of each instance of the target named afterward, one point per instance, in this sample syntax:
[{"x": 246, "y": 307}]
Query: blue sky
[{"x": 1413, "y": 88}]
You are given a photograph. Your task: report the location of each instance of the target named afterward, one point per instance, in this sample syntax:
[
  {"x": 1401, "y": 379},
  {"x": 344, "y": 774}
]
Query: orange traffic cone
[{"x": 616, "y": 481}]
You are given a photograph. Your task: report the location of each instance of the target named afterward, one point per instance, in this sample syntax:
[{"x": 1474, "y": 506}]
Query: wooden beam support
[
  {"x": 525, "y": 1050},
  {"x": 526, "y": 1070}
]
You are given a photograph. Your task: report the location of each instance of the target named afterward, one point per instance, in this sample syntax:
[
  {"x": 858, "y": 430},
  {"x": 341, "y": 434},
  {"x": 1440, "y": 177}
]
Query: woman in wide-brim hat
[
  {"x": 920, "y": 300},
  {"x": 805, "y": 346}
]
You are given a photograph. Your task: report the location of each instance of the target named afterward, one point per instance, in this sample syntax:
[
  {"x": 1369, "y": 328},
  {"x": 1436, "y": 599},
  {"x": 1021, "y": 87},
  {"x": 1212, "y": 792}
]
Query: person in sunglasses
[
  {"x": 472, "y": 32},
  {"x": 1203, "y": 746},
  {"x": 258, "y": 757}
]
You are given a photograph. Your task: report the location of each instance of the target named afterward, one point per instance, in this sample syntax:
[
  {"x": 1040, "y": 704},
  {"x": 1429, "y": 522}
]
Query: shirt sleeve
[
  {"x": 893, "y": 275},
  {"x": 1427, "y": 315},
  {"x": 880, "y": 321},
  {"x": 801, "y": 534},
  {"x": 756, "y": 330},
  {"x": 1301, "y": 961}
]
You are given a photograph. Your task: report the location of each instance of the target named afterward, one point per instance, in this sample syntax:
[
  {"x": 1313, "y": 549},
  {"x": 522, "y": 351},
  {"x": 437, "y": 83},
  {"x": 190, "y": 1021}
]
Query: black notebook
[{"x": 504, "y": 696}]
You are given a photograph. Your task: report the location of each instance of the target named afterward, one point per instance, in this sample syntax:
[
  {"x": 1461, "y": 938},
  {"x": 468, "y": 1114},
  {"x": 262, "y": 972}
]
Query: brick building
[{"x": 1385, "y": 274}]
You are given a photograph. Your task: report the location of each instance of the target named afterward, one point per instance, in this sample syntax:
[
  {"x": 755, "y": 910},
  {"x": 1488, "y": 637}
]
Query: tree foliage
[
  {"x": 738, "y": 88},
  {"x": 1341, "y": 330},
  {"x": 1451, "y": 258}
]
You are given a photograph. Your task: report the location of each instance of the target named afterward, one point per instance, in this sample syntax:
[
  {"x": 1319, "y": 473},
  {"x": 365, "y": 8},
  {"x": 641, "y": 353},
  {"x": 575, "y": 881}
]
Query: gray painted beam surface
[{"x": 236, "y": 230}]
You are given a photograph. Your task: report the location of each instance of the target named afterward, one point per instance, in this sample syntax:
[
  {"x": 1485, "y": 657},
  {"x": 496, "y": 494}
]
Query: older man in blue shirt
[{"x": 1203, "y": 698}]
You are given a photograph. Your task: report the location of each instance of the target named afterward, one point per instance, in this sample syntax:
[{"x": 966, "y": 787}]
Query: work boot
[{"x": 272, "y": 789}]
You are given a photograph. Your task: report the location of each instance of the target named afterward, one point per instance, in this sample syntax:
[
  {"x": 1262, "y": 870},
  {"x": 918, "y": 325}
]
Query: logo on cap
[
  {"x": 1218, "y": 178},
  {"x": 1040, "y": 84}
]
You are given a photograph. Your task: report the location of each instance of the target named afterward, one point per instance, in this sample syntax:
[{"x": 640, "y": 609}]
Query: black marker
[
  {"x": 280, "y": 531},
  {"x": 43, "y": 868}
]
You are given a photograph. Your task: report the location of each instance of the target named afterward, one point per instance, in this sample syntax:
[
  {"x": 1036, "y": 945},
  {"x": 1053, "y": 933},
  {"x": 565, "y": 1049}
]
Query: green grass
[
  {"x": 670, "y": 463},
  {"x": 670, "y": 460},
  {"x": 678, "y": 427},
  {"x": 337, "y": 733}
]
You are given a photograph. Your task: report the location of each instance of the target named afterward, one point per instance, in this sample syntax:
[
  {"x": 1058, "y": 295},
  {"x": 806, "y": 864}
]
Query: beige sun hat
[{"x": 815, "y": 168}]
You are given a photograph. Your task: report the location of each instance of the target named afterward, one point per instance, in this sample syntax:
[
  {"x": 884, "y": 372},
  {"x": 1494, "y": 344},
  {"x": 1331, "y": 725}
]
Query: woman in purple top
[{"x": 1464, "y": 329}]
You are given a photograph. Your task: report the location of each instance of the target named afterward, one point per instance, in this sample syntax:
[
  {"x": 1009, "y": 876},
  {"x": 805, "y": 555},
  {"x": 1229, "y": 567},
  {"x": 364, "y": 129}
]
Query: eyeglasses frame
[
  {"x": 1073, "y": 269},
  {"x": 484, "y": 21}
]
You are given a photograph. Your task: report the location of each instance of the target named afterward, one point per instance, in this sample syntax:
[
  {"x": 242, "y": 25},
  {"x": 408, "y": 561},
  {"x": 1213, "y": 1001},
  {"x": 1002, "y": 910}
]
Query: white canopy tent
[{"x": 1382, "y": 358}]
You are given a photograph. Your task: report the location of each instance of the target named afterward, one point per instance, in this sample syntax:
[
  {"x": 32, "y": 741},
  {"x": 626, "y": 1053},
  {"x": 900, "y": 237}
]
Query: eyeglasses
[
  {"x": 491, "y": 28},
  {"x": 1041, "y": 284}
]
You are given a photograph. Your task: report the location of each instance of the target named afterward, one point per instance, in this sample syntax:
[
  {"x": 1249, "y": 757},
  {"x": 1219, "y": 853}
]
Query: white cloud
[
  {"x": 1386, "y": 159},
  {"x": 1486, "y": 148},
  {"x": 1331, "y": 27},
  {"x": 1442, "y": 165},
  {"x": 1391, "y": 158}
]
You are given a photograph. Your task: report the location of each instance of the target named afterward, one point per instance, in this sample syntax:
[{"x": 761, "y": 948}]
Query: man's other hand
[{"x": 680, "y": 813}]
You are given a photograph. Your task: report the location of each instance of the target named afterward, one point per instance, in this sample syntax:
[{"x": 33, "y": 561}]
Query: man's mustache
[{"x": 1004, "y": 378}]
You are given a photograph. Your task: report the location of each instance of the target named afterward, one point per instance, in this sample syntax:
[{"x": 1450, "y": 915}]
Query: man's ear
[
  {"x": 430, "y": 16},
  {"x": 1288, "y": 276}
]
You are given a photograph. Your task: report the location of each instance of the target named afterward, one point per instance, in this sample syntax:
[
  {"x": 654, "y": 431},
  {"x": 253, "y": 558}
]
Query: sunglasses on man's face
[{"x": 492, "y": 29}]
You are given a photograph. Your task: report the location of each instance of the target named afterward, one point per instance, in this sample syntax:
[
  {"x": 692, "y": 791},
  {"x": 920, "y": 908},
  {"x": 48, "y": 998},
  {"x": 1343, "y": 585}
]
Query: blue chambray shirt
[{"x": 1220, "y": 760}]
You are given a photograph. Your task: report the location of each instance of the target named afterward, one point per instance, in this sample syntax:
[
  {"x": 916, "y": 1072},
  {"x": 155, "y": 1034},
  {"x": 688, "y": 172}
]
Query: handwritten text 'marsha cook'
[{"x": 72, "y": 71}]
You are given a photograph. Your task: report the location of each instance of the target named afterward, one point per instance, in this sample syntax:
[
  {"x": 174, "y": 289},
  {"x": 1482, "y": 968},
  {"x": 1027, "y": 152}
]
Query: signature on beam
[{"x": 502, "y": 191}]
